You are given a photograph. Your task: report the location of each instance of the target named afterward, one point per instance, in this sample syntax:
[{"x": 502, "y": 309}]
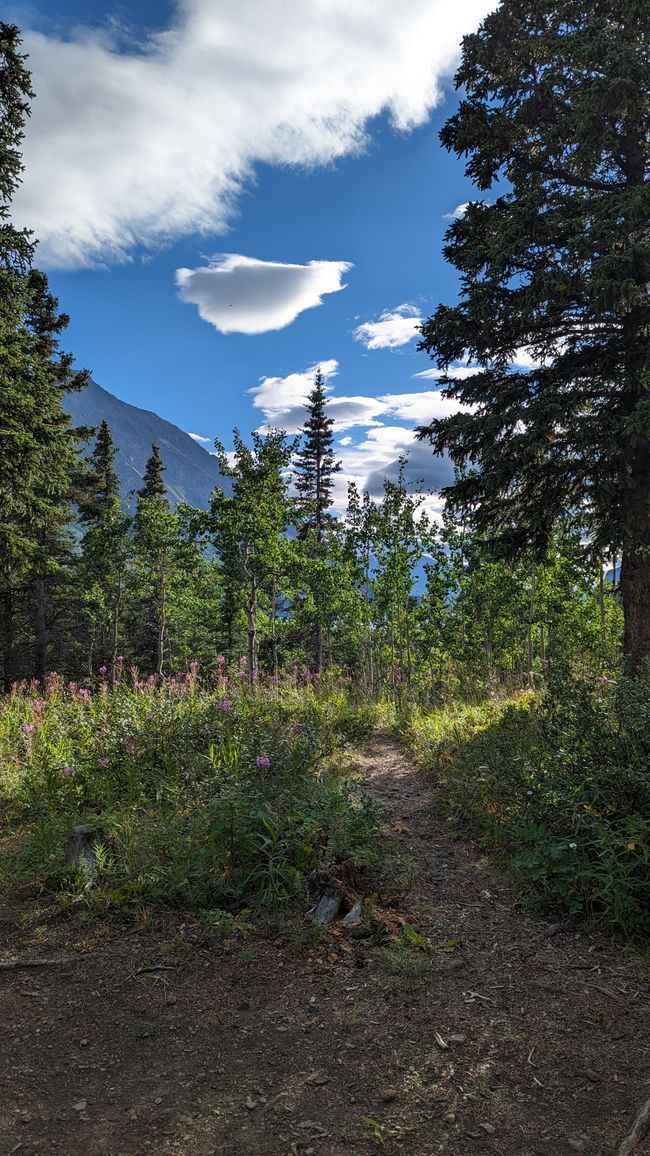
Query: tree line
[{"x": 551, "y": 444}]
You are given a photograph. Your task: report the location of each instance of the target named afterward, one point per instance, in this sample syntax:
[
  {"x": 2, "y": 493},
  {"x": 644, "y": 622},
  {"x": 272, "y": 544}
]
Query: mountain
[{"x": 191, "y": 472}]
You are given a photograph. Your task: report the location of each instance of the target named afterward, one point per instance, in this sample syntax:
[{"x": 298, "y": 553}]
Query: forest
[{"x": 185, "y": 691}]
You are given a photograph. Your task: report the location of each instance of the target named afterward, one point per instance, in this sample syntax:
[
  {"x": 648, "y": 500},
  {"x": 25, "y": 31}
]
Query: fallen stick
[
  {"x": 638, "y": 1131},
  {"x": 16, "y": 964}
]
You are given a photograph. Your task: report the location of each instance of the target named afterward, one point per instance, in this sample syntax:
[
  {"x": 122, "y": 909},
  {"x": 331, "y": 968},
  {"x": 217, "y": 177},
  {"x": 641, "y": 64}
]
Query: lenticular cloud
[
  {"x": 140, "y": 148},
  {"x": 243, "y": 295}
]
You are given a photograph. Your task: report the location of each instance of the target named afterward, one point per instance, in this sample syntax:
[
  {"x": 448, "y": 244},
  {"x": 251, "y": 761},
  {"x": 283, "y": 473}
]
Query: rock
[
  {"x": 457, "y": 1039},
  {"x": 79, "y": 1106},
  {"x": 250, "y": 1103},
  {"x": 576, "y": 1145},
  {"x": 388, "y": 1095},
  {"x": 590, "y": 1075},
  {"x": 489, "y": 1128}
]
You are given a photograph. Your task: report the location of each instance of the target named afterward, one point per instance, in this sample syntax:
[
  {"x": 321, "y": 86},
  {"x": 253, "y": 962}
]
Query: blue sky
[{"x": 200, "y": 174}]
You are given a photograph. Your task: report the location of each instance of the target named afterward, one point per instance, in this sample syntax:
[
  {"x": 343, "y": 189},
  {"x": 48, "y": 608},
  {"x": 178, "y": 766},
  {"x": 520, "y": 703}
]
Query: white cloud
[
  {"x": 419, "y": 407},
  {"x": 395, "y": 327},
  {"x": 375, "y": 454},
  {"x": 522, "y": 360},
  {"x": 456, "y": 213},
  {"x": 244, "y": 295},
  {"x": 156, "y": 143},
  {"x": 282, "y": 399},
  {"x": 455, "y": 372},
  {"x": 200, "y": 438}
]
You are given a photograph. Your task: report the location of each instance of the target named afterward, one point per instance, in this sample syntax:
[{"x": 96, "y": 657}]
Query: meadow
[{"x": 199, "y": 792}]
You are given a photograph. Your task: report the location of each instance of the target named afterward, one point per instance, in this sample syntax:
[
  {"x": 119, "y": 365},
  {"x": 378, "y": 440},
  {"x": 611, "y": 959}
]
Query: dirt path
[{"x": 260, "y": 1046}]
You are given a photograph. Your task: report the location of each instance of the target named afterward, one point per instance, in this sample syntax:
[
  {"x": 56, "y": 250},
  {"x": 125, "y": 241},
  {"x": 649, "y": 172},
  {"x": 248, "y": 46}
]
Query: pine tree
[
  {"x": 315, "y": 467},
  {"x": 554, "y": 305},
  {"x": 38, "y": 449}
]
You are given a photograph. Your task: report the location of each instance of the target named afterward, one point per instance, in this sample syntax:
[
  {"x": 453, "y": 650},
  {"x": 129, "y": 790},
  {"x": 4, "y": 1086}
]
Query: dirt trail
[{"x": 261, "y": 1046}]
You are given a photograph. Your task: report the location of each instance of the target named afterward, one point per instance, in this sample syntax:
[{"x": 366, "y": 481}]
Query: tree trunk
[
  {"x": 274, "y": 628},
  {"x": 8, "y": 640},
  {"x": 161, "y": 623},
  {"x": 41, "y": 627},
  {"x": 635, "y": 568},
  {"x": 115, "y": 628}
]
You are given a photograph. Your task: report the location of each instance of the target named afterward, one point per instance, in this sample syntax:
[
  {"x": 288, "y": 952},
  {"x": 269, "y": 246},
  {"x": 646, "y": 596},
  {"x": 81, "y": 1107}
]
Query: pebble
[
  {"x": 388, "y": 1094},
  {"x": 590, "y": 1075},
  {"x": 79, "y": 1106},
  {"x": 457, "y": 1039}
]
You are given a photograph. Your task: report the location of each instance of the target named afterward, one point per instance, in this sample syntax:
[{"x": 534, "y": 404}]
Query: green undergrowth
[
  {"x": 206, "y": 798},
  {"x": 558, "y": 783}
]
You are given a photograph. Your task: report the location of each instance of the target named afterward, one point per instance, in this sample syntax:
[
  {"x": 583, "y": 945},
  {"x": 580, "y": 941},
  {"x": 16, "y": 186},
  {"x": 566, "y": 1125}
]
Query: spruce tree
[
  {"x": 315, "y": 464},
  {"x": 155, "y": 539},
  {"x": 38, "y": 449},
  {"x": 555, "y": 265},
  {"x": 104, "y": 552},
  {"x": 315, "y": 467}
]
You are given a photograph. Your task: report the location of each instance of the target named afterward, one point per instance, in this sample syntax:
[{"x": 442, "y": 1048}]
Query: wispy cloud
[
  {"x": 394, "y": 328},
  {"x": 145, "y": 146},
  {"x": 200, "y": 438},
  {"x": 244, "y": 295}
]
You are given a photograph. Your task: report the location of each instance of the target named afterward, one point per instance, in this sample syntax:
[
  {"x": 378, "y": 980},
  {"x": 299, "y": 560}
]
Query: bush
[{"x": 559, "y": 784}]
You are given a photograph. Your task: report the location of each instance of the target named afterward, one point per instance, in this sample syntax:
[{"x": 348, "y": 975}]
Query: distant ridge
[{"x": 191, "y": 472}]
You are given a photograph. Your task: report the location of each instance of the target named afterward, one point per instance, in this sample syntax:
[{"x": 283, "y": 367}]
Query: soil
[{"x": 508, "y": 1035}]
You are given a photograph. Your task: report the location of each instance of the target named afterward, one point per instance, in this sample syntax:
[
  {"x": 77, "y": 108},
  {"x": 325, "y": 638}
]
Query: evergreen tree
[
  {"x": 104, "y": 553},
  {"x": 38, "y": 449},
  {"x": 155, "y": 537},
  {"x": 316, "y": 464},
  {"x": 554, "y": 305},
  {"x": 315, "y": 467}
]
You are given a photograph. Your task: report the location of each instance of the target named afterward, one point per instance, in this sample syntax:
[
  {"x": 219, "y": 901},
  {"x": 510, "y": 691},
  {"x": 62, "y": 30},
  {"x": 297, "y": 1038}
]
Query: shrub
[{"x": 559, "y": 784}]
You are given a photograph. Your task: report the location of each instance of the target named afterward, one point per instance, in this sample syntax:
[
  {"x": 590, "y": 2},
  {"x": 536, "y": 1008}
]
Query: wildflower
[
  {"x": 225, "y": 704},
  {"x": 69, "y": 770},
  {"x": 296, "y": 728},
  {"x": 529, "y": 792},
  {"x": 120, "y": 659},
  {"x": 28, "y": 728},
  {"x": 104, "y": 762},
  {"x": 573, "y": 846},
  {"x": 262, "y": 761},
  {"x": 103, "y": 670},
  {"x": 221, "y": 660}
]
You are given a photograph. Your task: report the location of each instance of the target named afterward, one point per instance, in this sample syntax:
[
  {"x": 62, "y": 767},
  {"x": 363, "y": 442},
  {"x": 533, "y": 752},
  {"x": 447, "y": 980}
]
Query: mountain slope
[{"x": 191, "y": 472}]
